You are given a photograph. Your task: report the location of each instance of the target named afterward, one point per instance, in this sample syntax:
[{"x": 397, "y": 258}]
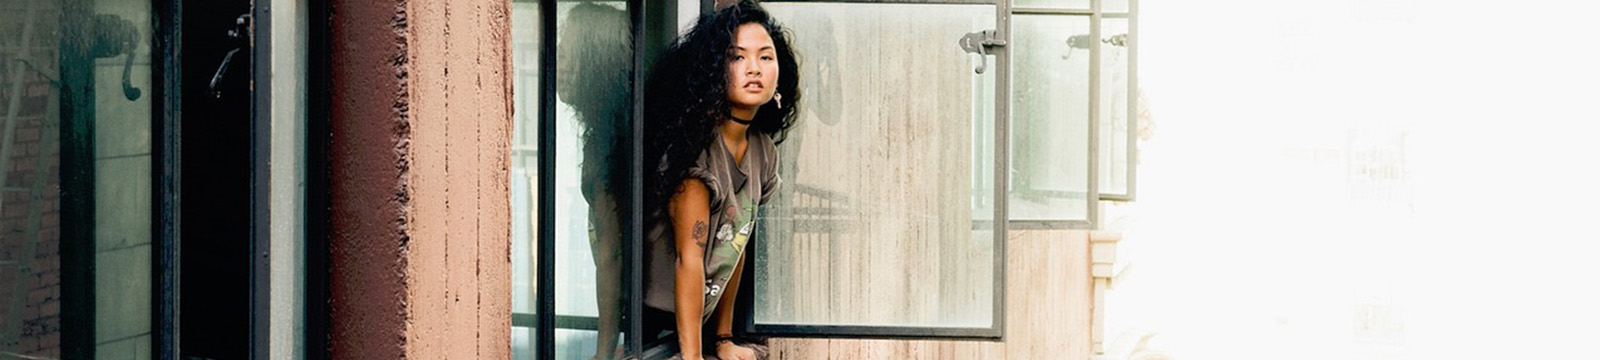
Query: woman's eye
[{"x": 766, "y": 58}]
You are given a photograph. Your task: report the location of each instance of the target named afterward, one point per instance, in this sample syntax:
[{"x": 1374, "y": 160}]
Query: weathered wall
[
  {"x": 1048, "y": 297},
  {"x": 420, "y": 263}
]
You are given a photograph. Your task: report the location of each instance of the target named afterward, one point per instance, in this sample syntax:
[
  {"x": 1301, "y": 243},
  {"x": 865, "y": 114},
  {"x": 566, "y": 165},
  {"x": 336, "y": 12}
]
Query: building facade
[{"x": 407, "y": 178}]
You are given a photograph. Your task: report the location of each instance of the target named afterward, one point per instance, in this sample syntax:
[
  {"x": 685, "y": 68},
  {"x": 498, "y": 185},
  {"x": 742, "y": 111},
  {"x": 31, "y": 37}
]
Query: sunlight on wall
[{"x": 1365, "y": 179}]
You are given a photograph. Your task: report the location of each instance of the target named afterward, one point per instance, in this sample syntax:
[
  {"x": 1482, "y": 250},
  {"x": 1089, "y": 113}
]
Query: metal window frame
[
  {"x": 260, "y": 178},
  {"x": 317, "y": 202},
  {"x": 1093, "y": 194},
  {"x": 545, "y": 320},
  {"x": 545, "y": 330},
  {"x": 1002, "y": 160},
  {"x": 1132, "y": 108},
  {"x": 166, "y": 104}
]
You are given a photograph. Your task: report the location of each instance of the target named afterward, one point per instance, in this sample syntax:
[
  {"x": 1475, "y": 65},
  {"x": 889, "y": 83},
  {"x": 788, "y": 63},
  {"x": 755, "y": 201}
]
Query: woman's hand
[{"x": 727, "y": 350}]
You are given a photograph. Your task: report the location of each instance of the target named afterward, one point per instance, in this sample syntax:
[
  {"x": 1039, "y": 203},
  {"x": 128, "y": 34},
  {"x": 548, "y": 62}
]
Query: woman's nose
[{"x": 750, "y": 68}]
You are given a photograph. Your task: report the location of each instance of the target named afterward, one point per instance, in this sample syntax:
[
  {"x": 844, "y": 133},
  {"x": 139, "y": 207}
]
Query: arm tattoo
[{"x": 700, "y": 233}]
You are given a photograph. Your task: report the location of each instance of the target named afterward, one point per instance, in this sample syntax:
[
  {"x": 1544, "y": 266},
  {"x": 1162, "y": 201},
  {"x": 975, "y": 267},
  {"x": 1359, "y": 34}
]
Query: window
[
  {"x": 912, "y": 156},
  {"x": 91, "y": 221},
  {"x": 884, "y": 223}
]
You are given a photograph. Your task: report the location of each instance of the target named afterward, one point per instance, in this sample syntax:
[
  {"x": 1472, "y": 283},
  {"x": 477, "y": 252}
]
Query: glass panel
[
  {"x": 1057, "y": 4},
  {"x": 82, "y": 67},
  {"x": 1050, "y": 118},
  {"x": 1114, "y": 6},
  {"x": 882, "y": 218},
  {"x": 594, "y": 89},
  {"x": 525, "y": 42},
  {"x": 1114, "y": 107},
  {"x": 288, "y": 176}
]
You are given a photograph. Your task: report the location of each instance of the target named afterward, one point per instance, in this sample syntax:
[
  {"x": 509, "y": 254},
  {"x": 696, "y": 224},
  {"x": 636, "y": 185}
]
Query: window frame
[
  {"x": 1131, "y": 168},
  {"x": 647, "y": 29},
  {"x": 744, "y": 319}
]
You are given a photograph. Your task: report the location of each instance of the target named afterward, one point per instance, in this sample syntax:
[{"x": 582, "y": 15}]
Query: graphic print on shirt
[{"x": 727, "y": 248}]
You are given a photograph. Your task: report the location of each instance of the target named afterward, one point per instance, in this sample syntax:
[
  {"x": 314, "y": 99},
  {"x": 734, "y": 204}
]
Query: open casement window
[
  {"x": 1099, "y": 81},
  {"x": 885, "y": 225},
  {"x": 1119, "y": 99},
  {"x": 574, "y": 158}
]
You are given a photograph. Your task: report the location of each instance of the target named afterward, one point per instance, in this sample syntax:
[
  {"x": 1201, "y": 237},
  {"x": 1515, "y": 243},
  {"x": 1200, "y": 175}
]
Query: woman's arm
[
  {"x": 723, "y": 313},
  {"x": 690, "y": 208}
]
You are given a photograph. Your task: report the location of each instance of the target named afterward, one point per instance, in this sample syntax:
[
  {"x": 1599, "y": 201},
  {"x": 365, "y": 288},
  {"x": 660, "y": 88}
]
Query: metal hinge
[{"x": 979, "y": 43}]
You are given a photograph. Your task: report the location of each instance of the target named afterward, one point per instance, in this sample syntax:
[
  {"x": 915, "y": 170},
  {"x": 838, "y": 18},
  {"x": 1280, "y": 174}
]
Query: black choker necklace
[{"x": 741, "y": 121}]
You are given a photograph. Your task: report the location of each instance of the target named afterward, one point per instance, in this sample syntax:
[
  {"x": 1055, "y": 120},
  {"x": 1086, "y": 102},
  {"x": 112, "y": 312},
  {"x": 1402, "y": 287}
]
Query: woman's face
[{"x": 752, "y": 69}]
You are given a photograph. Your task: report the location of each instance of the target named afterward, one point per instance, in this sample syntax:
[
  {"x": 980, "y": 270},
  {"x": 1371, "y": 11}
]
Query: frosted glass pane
[
  {"x": 1114, "y": 6},
  {"x": 1115, "y": 107},
  {"x": 1058, "y": 4},
  {"x": 1050, "y": 118},
  {"x": 881, "y": 220}
]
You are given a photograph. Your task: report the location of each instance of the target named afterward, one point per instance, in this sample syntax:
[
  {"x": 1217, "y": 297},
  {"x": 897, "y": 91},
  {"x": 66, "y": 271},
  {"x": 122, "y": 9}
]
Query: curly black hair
[{"x": 686, "y": 96}]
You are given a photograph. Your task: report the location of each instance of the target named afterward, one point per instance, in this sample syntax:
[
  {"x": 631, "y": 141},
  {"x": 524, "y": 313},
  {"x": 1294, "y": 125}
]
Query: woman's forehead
[{"x": 752, "y": 36}]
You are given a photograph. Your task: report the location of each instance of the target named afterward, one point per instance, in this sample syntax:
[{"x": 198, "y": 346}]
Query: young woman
[{"x": 717, "y": 104}]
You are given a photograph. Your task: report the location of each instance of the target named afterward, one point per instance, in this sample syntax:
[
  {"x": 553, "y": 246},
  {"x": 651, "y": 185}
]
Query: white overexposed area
[{"x": 1364, "y": 179}]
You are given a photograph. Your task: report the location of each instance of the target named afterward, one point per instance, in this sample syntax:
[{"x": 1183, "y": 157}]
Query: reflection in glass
[
  {"x": 81, "y": 67},
  {"x": 875, "y": 224},
  {"x": 1050, "y": 118},
  {"x": 593, "y": 84},
  {"x": 524, "y": 175},
  {"x": 1114, "y": 106}
]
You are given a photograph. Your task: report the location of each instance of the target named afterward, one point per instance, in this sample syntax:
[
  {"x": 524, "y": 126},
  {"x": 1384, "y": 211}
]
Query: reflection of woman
[
  {"x": 593, "y": 54},
  {"x": 718, "y": 102}
]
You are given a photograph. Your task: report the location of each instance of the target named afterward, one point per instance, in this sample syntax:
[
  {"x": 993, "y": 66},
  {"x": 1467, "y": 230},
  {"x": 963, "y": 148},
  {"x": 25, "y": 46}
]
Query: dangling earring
[{"x": 778, "y": 97}]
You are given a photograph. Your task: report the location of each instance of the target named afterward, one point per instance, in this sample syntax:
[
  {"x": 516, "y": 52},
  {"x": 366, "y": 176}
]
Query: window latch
[{"x": 980, "y": 43}]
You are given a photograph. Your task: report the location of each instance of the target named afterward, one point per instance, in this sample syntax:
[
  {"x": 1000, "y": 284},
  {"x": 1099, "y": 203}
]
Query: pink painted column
[{"x": 420, "y": 231}]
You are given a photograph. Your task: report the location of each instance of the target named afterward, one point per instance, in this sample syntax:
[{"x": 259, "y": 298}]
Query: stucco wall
[{"x": 420, "y": 263}]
